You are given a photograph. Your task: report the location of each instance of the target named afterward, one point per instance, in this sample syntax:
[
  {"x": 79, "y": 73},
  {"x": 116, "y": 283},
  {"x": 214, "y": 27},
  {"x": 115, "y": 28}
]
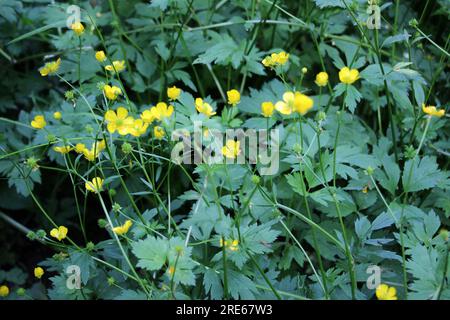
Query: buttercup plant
[{"x": 225, "y": 150}]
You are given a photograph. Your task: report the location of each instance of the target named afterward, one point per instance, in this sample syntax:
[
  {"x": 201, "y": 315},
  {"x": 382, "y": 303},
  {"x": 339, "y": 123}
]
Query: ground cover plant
[{"x": 200, "y": 149}]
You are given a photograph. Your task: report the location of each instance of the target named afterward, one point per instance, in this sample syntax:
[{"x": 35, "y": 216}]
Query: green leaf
[
  {"x": 390, "y": 175},
  {"x": 421, "y": 174},
  {"x": 151, "y": 252}
]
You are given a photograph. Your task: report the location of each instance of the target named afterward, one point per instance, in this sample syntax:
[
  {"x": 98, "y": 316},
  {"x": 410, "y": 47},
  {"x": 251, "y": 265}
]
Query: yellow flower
[
  {"x": 294, "y": 102},
  {"x": 171, "y": 270},
  {"x": 304, "y": 70},
  {"x": 138, "y": 128},
  {"x": 204, "y": 107},
  {"x": 322, "y": 79},
  {"x": 4, "y": 291},
  {"x": 59, "y": 233},
  {"x": 158, "y": 132},
  {"x": 118, "y": 65},
  {"x": 234, "y": 97},
  {"x": 38, "y": 122},
  {"x": 79, "y": 147},
  {"x": 287, "y": 105},
  {"x": 231, "y": 149},
  {"x": 111, "y": 92},
  {"x": 384, "y": 292},
  {"x": 267, "y": 108},
  {"x": 63, "y": 149},
  {"x": 120, "y": 230},
  {"x": 78, "y": 28},
  {"x": 173, "y": 93},
  {"x": 348, "y": 76},
  {"x": 230, "y": 244},
  {"x": 94, "y": 152},
  {"x": 147, "y": 116},
  {"x": 57, "y": 115},
  {"x": 432, "y": 111},
  {"x": 50, "y": 67},
  {"x": 161, "y": 111},
  {"x": 95, "y": 185},
  {"x": 303, "y": 103},
  {"x": 38, "y": 272},
  {"x": 276, "y": 59},
  {"x": 100, "y": 56},
  {"x": 119, "y": 121}
]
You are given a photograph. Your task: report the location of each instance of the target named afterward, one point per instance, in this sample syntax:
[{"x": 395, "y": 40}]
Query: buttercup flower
[
  {"x": 158, "y": 132},
  {"x": 38, "y": 122},
  {"x": 4, "y": 291},
  {"x": 38, "y": 272},
  {"x": 95, "y": 185},
  {"x": 322, "y": 79},
  {"x": 348, "y": 76},
  {"x": 79, "y": 147},
  {"x": 119, "y": 65},
  {"x": 119, "y": 121},
  {"x": 287, "y": 105},
  {"x": 230, "y": 244},
  {"x": 138, "y": 128},
  {"x": 100, "y": 56},
  {"x": 59, "y": 233},
  {"x": 267, "y": 109},
  {"x": 204, "y": 107},
  {"x": 123, "y": 229},
  {"x": 111, "y": 92},
  {"x": 57, "y": 115},
  {"x": 304, "y": 70},
  {"x": 147, "y": 116},
  {"x": 78, "y": 28},
  {"x": 384, "y": 292},
  {"x": 94, "y": 152},
  {"x": 231, "y": 149},
  {"x": 161, "y": 111},
  {"x": 50, "y": 67},
  {"x": 63, "y": 149},
  {"x": 234, "y": 97},
  {"x": 173, "y": 93},
  {"x": 303, "y": 103},
  {"x": 432, "y": 111},
  {"x": 276, "y": 59}
]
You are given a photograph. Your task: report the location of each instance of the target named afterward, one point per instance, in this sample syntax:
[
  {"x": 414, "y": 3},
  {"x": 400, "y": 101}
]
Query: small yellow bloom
[
  {"x": 304, "y": 70},
  {"x": 80, "y": 147},
  {"x": 138, "y": 128},
  {"x": 287, "y": 106},
  {"x": 119, "y": 121},
  {"x": 78, "y": 28},
  {"x": 348, "y": 76},
  {"x": 50, "y": 67},
  {"x": 234, "y": 245},
  {"x": 161, "y": 111},
  {"x": 276, "y": 59},
  {"x": 147, "y": 116},
  {"x": 4, "y": 291},
  {"x": 111, "y": 92},
  {"x": 322, "y": 79},
  {"x": 231, "y": 149},
  {"x": 96, "y": 185},
  {"x": 365, "y": 189},
  {"x": 267, "y": 109},
  {"x": 123, "y": 229},
  {"x": 230, "y": 244},
  {"x": 204, "y": 107},
  {"x": 384, "y": 292},
  {"x": 173, "y": 93},
  {"x": 38, "y": 272},
  {"x": 59, "y": 233},
  {"x": 303, "y": 103},
  {"x": 171, "y": 270},
  {"x": 57, "y": 115},
  {"x": 118, "y": 65},
  {"x": 234, "y": 97},
  {"x": 432, "y": 111},
  {"x": 158, "y": 132},
  {"x": 100, "y": 56},
  {"x": 63, "y": 149},
  {"x": 94, "y": 152},
  {"x": 38, "y": 122}
]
